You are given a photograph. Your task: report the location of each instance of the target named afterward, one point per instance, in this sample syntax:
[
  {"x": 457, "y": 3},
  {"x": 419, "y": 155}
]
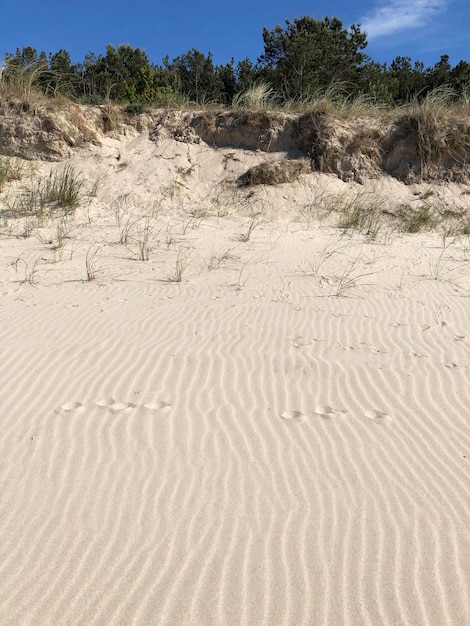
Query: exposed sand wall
[{"x": 424, "y": 145}]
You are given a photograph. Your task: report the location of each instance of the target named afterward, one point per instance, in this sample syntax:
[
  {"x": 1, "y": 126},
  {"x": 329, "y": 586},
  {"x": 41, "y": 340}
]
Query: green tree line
[{"x": 301, "y": 59}]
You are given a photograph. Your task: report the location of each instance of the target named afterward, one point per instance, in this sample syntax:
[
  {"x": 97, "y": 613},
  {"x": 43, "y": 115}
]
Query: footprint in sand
[
  {"x": 299, "y": 342},
  {"x": 157, "y": 405},
  {"x": 377, "y": 416},
  {"x": 112, "y": 405},
  {"x": 291, "y": 415},
  {"x": 327, "y": 412},
  {"x": 70, "y": 408}
]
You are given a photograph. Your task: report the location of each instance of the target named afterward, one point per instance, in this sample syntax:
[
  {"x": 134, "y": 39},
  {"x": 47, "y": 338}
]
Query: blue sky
[{"x": 421, "y": 29}]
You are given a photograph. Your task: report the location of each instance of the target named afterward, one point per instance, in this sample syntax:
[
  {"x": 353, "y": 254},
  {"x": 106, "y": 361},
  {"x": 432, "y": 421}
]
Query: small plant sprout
[
  {"x": 29, "y": 226},
  {"x": 181, "y": 265},
  {"x": 313, "y": 264},
  {"x": 170, "y": 237},
  {"x": 144, "y": 238},
  {"x": 350, "y": 278},
  {"x": 241, "y": 279},
  {"x": 190, "y": 222},
  {"x": 200, "y": 213},
  {"x": 30, "y": 269},
  {"x": 125, "y": 223},
  {"x": 219, "y": 259},
  {"x": 440, "y": 268},
  {"x": 254, "y": 222},
  {"x": 62, "y": 233},
  {"x": 96, "y": 186},
  {"x": 92, "y": 265}
]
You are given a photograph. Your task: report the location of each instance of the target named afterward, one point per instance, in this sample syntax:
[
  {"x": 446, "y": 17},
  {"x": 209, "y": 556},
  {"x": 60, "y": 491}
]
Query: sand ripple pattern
[{"x": 249, "y": 464}]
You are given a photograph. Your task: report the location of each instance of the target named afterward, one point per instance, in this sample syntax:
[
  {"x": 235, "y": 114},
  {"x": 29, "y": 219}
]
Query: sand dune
[{"x": 280, "y": 438}]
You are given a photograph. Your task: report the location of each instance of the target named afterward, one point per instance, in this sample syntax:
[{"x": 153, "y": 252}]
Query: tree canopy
[
  {"x": 300, "y": 59},
  {"x": 304, "y": 56}
]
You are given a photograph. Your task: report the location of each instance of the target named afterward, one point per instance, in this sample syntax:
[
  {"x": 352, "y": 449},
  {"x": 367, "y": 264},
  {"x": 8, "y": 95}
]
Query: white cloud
[{"x": 398, "y": 15}]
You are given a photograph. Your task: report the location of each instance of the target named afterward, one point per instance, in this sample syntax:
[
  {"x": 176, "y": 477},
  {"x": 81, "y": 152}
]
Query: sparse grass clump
[
  {"x": 30, "y": 267},
  {"x": 351, "y": 277},
  {"x": 358, "y": 213},
  {"x": 220, "y": 259},
  {"x": 63, "y": 232},
  {"x": 96, "y": 186},
  {"x": 364, "y": 219},
  {"x": 416, "y": 220},
  {"x": 58, "y": 193},
  {"x": 438, "y": 123},
  {"x": 93, "y": 267},
  {"x": 10, "y": 169},
  {"x": 258, "y": 96},
  {"x": 64, "y": 188},
  {"x": 181, "y": 265},
  {"x": 112, "y": 117},
  {"x": 144, "y": 238},
  {"x": 18, "y": 84},
  {"x": 253, "y": 223}
]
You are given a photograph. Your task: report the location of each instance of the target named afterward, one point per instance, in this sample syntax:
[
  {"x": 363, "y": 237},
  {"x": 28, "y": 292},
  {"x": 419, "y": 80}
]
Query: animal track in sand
[{"x": 416, "y": 355}]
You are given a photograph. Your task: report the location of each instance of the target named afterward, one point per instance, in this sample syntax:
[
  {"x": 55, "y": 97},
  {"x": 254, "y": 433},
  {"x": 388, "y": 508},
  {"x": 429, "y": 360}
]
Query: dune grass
[
  {"x": 11, "y": 169},
  {"x": 59, "y": 193}
]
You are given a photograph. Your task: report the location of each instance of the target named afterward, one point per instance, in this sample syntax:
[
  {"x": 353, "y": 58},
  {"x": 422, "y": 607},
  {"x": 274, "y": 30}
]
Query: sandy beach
[{"x": 220, "y": 408}]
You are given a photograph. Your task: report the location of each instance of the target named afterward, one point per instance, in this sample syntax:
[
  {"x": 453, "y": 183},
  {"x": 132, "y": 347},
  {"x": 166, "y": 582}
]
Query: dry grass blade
[
  {"x": 94, "y": 271},
  {"x": 253, "y": 223},
  {"x": 30, "y": 268},
  {"x": 17, "y": 82},
  {"x": 220, "y": 259},
  {"x": 442, "y": 268},
  {"x": 258, "y": 96},
  {"x": 350, "y": 279}
]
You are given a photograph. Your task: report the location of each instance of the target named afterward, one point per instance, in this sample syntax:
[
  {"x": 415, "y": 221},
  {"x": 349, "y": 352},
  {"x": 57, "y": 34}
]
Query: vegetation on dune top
[
  {"x": 410, "y": 122},
  {"x": 306, "y": 61}
]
